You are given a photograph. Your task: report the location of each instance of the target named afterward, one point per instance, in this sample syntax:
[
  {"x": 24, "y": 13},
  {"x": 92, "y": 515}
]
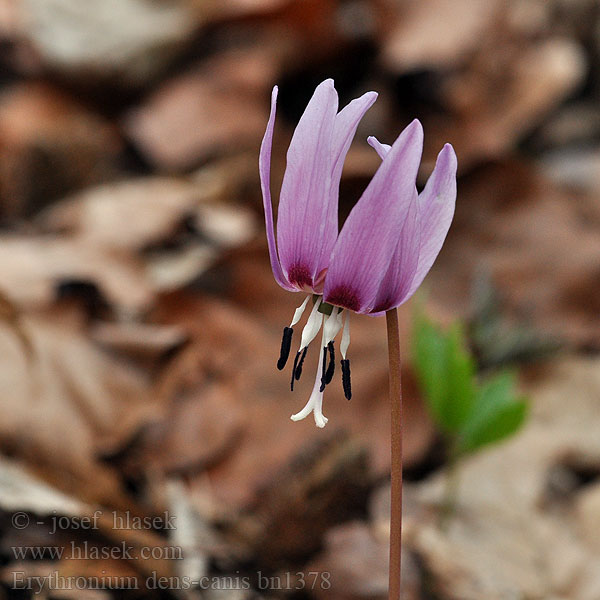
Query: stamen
[
  {"x": 331, "y": 367},
  {"x": 323, "y": 367},
  {"x": 296, "y": 359},
  {"x": 299, "y": 311},
  {"x": 298, "y": 369},
  {"x": 312, "y": 325},
  {"x": 346, "y": 378},
  {"x": 328, "y": 373},
  {"x": 332, "y": 326},
  {"x": 286, "y": 346},
  {"x": 345, "y": 337}
]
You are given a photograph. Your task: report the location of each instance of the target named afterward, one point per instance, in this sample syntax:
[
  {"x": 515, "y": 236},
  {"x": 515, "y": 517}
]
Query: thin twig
[{"x": 393, "y": 335}]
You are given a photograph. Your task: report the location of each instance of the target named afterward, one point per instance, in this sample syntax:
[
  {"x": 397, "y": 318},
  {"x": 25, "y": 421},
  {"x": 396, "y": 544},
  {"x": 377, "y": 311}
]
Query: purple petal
[
  {"x": 346, "y": 122},
  {"x": 307, "y": 218},
  {"x": 381, "y": 149},
  {"x": 436, "y": 209},
  {"x": 264, "y": 167},
  {"x": 369, "y": 238},
  {"x": 403, "y": 265}
]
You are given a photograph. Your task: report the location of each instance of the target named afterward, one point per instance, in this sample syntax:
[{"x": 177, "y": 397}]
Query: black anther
[
  {"x": 298, "y": 367},
  {"x": 286, "y": 344},
  {"x": 346, "y": 378},
  {"x": 328, "y": 370}
]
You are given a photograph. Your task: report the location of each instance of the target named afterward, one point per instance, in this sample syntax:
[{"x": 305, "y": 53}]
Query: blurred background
[{"x": 140, "y": 323}]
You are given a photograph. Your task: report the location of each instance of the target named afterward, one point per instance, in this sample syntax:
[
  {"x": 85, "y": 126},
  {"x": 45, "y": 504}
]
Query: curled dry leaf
[
  {"x": 33, "y": 268},
  {"x": 438, "y": 34},
  {"x": 538, "y": 241},
  {"x": 73, "y": 400},
  {"x": 143, "y": 36},
  {"x": 174, "y": 229},
  {"x": 224, "y": 98},
  {"x": 50, "y": 145},
  {"x": 497, "y": 104},
  {"x": 354, "y": 564},
  {"x": 128, "y": 215}
]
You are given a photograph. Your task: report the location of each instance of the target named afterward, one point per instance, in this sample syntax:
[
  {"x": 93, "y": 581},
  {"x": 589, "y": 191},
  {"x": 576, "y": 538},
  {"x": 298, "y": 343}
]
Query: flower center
[
  {"x": 300, "y": 276},
  {"x": 345, "y": 297}
]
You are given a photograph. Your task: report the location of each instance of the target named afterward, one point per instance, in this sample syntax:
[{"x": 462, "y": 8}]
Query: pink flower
[{"x": 387, "y": 244}]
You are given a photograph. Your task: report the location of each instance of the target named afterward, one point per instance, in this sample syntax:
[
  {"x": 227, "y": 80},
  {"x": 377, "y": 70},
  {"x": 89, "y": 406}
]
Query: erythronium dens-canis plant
[{"x": 374, "y": 264}]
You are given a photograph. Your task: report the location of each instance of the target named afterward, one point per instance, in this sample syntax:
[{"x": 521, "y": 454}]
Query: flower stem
[{"x": 393, "y": 335}]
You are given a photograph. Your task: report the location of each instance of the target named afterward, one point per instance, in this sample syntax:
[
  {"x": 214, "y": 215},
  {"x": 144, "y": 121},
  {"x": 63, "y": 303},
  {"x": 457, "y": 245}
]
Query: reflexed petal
[
  {"x": 346, "y": 122},
  {"x": 381, "y": 149},
  {"x": 307, "y": 218},
  {"x": 369, "y": 238},
  {"x": 264, "y": 167},
  {"x": 403, "y": 266},
  {"x": 436, "y": 209},
  {"x": 344, "y": 129}
]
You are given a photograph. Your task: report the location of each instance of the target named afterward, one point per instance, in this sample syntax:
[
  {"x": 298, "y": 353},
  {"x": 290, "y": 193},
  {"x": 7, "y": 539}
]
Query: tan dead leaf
[
  {"x": 496, "y": 99},
  {"x": 58, "y": 413},
  {"x": 33, "y": 267},
  {"x": 539, "y": 242},
  {"x": 200, "y": 428},
  {"x": 438, "y": 34},
  {"x": 354, "y": 565},
  {"x": 49, "y": 146},
  {"x": 124, "y": 40},
  {"x": 225, "y": 100},
  {"x": 176, "y": 228},
  {"x": 509, "y": 536}
]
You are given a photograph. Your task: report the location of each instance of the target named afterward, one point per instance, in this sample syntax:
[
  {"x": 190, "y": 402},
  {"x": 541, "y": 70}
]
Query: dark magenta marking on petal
[
  {"x": 344, "y": 296},
  {"x": 382, "y": 307},
  {"x": 300, "y": 276}
]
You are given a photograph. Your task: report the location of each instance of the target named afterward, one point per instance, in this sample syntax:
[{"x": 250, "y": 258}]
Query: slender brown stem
[{"x": 393, "y": 335}]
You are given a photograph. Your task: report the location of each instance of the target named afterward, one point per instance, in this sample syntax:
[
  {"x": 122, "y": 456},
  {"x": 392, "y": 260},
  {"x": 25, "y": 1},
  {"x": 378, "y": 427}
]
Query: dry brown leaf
[
  {"x": 199, "y": 429},
  {"x": 124, "y": 40},
  {"x": 324, "y": 484},
  {"x": 225, "y": 100},
  {"x": 438, "y": 34},
  {"x": 34, "y": 266},
  {"x": 49, "y": 146},
  {"x": 498, "y": 99},
  {"x": 509, "y": 536},
  {"x": 354, "y": 566},
  {"x": 61, "y": 410},
  {"x": 540, "y": 244},
  {"x": 143, "y": 341}
]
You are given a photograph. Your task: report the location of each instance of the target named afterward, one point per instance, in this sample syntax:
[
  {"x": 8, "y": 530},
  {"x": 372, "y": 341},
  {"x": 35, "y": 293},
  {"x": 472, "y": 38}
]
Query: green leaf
[
  {"x": 446, "y": 373},
  {"x": 496, "y": 414},
  {"x": 429, "y": 352},
  {"x": 460, "y": 381}
]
